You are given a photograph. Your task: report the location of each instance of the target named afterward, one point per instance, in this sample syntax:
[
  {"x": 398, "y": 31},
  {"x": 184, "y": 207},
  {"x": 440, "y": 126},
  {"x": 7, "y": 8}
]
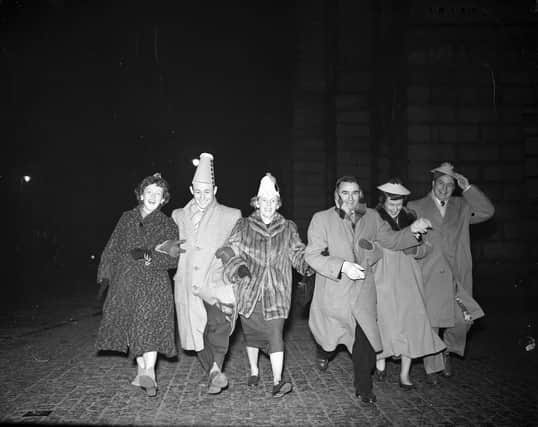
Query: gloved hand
[
  {"x": 225, "y": 254},
  {"x": 421, "y": 225},
  {"x": 139, "y": 253},
  {"x": 171, "y": 247},
  {"x": 243, "y": 271},
  {"x": 353, "y": 270},
  {"x": 227, "y": 309},
  {"x": 309, "y": 272},
  {"x": 177, "y": 249},
  {"x": 366, "y": 244}
]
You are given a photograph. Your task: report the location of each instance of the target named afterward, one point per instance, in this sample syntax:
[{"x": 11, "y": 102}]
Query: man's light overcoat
[
  {"x": 199, "y": 273},
  {"x": 339, "y": 302},
  {"x": 448, "y": 268}
]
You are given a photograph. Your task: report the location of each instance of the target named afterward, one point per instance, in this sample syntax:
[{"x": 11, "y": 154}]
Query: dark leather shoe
[
  {"x": 148, "y": 384},
  {"x": 407, "y": 387},
  {"x": 380, "y": 375},
  {"x": 432, "y": 379},
  {"x": 323, "y": 364},
  {"x": 448, "y": 372},
  {"x": 366, "y": 397},
  {"x": 253, "y": 380},
  {"x": 281, "y": 389},
  {"x": 217, "y": 382}
]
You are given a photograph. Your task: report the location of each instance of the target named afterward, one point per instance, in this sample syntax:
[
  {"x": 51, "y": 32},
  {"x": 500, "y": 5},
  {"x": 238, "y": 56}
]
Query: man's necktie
[
  {"x": 196, "y": 217},
  {"x": 352, "y": 219}
]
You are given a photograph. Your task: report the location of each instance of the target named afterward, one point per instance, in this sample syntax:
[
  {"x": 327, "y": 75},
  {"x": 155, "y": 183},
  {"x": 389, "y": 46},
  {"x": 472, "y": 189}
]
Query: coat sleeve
[
  {"x": 394, "y": 240},
  {"x": 113, "y": 252},
  {"x": 480, "y": 206},
  {"x": 160, "y": 261},
  {"x": 234, "y": 242},
  {"x": 327, "y": 265},
  {"x": 297, "y": 250},
  {"x": 423, "y": 250},
  {"x": 425, "y": 247},
  {"x": 234, "y": 239}
]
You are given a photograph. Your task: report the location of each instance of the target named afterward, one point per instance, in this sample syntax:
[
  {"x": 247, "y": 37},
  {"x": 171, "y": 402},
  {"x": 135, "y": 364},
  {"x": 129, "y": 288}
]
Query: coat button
[
  {"x": 196, "y": 268},
  {"x": 441, "y": 271}
]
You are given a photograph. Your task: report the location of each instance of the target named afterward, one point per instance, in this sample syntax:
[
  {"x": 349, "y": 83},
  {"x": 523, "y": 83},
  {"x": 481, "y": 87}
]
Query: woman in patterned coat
[
  {"x": 270, "y": 246},
  {"x": 138, "y": 313}
]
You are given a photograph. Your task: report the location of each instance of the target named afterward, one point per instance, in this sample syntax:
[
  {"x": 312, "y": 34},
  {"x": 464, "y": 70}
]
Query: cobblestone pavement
[{"x": 49, "y": 364}]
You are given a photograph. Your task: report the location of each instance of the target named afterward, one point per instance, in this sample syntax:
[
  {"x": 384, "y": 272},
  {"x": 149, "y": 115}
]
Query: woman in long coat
[
  {"x": 401, "y": 313},
  {"x": 138, "y": 313},
  {"x": 269, "y": 246}
]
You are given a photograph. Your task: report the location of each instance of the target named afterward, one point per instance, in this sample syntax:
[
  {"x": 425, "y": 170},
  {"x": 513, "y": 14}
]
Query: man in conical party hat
[
  {"x": 205, "y": 305},
  {"x": 447, "y": 270}
]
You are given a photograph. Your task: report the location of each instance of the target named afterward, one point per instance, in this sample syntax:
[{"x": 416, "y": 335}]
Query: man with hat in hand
[
  {"x": 205, "y": 305},
  {"x": 447, "y": 271}
]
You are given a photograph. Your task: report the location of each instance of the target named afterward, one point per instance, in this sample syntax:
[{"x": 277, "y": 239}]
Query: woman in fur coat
[{"x": 268, "y": 245}]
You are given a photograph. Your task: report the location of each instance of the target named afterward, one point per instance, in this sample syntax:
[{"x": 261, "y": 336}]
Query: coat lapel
[
  {"x": 346, "y": 225},
  {"x": 189, "y": 227},
  {"x": 451, "y": 210},
  {"x": 432, "y": 213},
  {"x": 205, "y": 227}
]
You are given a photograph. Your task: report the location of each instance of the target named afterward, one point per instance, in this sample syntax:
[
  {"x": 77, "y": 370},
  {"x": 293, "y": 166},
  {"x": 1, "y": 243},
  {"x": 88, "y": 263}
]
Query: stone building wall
[{"x": 386, "y": 88}]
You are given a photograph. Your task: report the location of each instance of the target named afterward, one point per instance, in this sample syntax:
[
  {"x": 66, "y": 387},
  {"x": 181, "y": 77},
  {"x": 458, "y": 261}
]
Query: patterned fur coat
[{"x": 269, "y": 251}]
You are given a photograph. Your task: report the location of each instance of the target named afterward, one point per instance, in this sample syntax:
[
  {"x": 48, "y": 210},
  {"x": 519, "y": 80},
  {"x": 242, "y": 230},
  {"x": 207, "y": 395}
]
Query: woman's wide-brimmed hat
[{"x": 394, "y": 188}]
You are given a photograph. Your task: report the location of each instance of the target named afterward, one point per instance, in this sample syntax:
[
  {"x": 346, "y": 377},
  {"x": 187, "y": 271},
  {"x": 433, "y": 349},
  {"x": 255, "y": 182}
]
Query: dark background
[{"x": 98, "y": 95}]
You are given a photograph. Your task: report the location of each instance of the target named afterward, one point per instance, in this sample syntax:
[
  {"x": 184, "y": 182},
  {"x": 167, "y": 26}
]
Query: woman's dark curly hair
[{"x": 159, "y": 181}]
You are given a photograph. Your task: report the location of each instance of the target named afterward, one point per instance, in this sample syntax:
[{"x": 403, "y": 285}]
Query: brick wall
[
  {"x": 468, "y": 88},
  {"x": 309, "y": 169},
  {"x": 331, "y": 133},
  {"x": 389, "y": 88}
]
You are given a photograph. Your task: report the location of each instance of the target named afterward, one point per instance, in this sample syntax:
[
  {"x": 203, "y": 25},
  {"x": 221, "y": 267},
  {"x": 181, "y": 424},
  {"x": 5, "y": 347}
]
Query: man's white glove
[{"x": 352, "y": 270}]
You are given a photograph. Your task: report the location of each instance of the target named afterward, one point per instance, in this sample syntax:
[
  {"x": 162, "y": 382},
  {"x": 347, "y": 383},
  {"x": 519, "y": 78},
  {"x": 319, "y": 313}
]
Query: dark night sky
[{"x": 97, "y": 97}]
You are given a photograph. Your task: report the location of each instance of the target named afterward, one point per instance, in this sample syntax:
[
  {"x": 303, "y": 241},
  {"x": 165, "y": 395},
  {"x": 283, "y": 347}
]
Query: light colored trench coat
[
  {"x": 339, "y": 303},
  {"x": 448, "y": 268},
  {"x": 199, "y": 273}
]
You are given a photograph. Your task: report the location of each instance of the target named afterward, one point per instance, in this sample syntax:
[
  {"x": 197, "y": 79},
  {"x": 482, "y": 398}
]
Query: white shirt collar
[{"x": 438, "y": 203}]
